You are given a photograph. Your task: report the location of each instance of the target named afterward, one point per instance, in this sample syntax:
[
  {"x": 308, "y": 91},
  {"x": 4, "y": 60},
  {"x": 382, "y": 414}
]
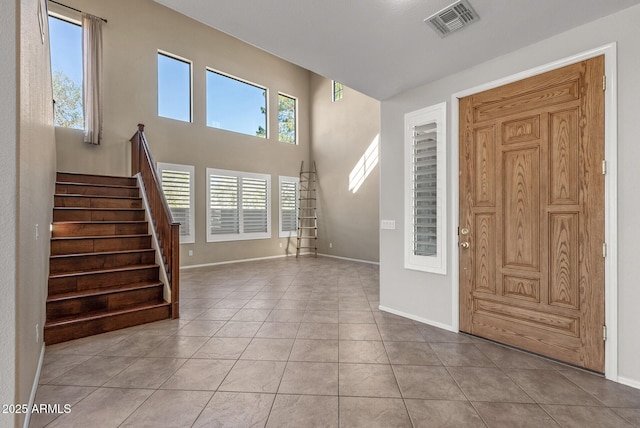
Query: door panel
[{"x": 532, "y": 198}]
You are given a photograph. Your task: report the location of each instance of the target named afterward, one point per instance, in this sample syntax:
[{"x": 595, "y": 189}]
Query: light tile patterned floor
[{"x": 301, "y": 343}]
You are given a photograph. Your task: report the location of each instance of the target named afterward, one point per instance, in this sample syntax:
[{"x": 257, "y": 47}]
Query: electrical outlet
[
  {"x": 281, "y": 245},
  {"x": 37, "y": 333},
  {"x": 37, "y": 231},
  {"x": 190, "y": 253},
  {"x": 388, "y": 224},
  {"x": 330, "y": 244}
]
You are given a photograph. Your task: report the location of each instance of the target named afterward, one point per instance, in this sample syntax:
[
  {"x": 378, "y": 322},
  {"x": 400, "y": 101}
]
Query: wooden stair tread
[
  {"x": 102, "y": 253},
  {"x": 95, "y": 209},
  {"x": 83, "y": 174},
  {"x": 97, "y": 272},
  {"x": 81, "y": 195},
  {"x": 99, "y": 221},
  {"x": 103, "y": 291},
  {"x": 61, "y": 238},
  {"x": 105, "y": 314},
  {"x": 72, "y": 183}
]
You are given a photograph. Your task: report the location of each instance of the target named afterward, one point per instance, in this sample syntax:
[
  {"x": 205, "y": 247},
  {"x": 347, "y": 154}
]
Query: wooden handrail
[{"x": 167, "y": 231}]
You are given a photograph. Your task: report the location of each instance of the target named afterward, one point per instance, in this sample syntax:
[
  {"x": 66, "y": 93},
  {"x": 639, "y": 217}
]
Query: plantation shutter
[
  {"x": 288, "y": 205},
  {"x": 425, "y": 209},
  {"x": 254, "y": 205},
  {"x": 177, "y": 191},
  {"x": 224, "y": 209}
]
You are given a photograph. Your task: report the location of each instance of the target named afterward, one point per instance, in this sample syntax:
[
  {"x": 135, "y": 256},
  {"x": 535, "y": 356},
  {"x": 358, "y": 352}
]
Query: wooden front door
[{"x": 532, "y": 214}]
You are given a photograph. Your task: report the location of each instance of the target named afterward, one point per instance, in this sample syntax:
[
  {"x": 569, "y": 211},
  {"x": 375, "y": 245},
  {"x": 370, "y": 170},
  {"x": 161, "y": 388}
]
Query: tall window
[
  {"x": 337, "y": 90},
  {"x": 238, "y": 205},
  {"x": 287, "y": 110},
  {"x": 66, "y": 68},
  {"x": 174, "y": 87},
  {"x": 288, "y": 206},
  {"x": 425, "y": 199},
  {"x": 236, "y": 105},
  {"x": 177, "y": 184}
]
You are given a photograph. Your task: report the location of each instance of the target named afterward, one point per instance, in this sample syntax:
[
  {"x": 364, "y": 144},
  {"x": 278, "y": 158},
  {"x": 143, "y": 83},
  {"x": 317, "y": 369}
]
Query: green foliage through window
[
  {"x": 338, "y": 90},
  {"x": 286, "y": 119},
  {"x": 68, "y": 97}
]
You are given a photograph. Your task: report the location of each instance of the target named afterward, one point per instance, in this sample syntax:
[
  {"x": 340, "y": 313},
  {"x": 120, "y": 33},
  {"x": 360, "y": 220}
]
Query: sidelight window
[{"x": 425, "y": 186}]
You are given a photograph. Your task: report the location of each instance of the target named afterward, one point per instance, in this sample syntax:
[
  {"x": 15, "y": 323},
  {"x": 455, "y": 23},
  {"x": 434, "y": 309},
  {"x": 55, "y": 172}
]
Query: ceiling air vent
[{"x": 452, "y": 18}]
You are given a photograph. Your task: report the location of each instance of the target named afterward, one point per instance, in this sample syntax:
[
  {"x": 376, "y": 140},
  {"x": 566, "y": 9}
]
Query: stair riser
[
  {"x": 74, "y": 189},
  {"x": 89, "y": 202},
  {"x": 98, "y": 229},
  {"x": 91, "y": 305},
  {"x": 106, "y": 280},
  {"x": 96, "y": 245},
  {"x": 96, "y": 179},
  {"x": 92, "y": 262},
  {"x": 97, "y": 215},
  {"x": 84, "y": 328}
]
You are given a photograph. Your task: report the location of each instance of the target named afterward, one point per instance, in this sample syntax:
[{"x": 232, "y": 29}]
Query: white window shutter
[
  {"x": 239, "y": 205},
  {"x": 177, "y": 186},
  {"x": 425, "y": 190},
  {"x": 254, "y": 205},
  {"x": 425, "y": 187},
  {"x": 288, "y": 206},
  {"x": 224, "y": 211}
]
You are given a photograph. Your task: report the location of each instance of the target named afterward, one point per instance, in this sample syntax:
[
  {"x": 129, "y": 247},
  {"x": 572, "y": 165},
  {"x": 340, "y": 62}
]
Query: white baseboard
[
  {"x": 236, "y": 261},
  {"x": 34, "y": 388},
  {"x": 272, "y": 257},
  {"x": 349, "y": 259},
  {"x": 629, "y": 382},
  {"x": 419, "y": 319}
]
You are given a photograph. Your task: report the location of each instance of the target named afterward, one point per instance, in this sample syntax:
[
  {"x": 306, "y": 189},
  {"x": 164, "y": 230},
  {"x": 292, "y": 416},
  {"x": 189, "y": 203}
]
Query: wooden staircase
[{"x": 102, "y": 270}]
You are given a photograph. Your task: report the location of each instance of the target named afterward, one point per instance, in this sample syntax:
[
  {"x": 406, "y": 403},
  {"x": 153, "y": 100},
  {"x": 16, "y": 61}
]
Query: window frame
[
  {"x": 181, "y": 59},
  {"x": 295, "y": 116},
  {"x": 241, "y": 235},
  {"x": 285, "y": 179},
  {"x": 190, "y": 238},
  {"x": 78, "y": 23},
  {"x": 438, "y": 262},
  {"x": 246, "y": 82}
]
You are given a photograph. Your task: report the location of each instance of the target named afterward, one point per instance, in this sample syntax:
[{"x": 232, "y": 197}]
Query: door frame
[{"x": 610, "y": 190}]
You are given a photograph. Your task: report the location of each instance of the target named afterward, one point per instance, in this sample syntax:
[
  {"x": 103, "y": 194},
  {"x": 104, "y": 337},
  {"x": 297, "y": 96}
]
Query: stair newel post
[{"x": 136, "y": 142}]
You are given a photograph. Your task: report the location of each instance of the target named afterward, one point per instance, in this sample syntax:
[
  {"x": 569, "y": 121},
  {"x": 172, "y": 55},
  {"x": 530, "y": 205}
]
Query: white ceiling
[{"x": 383, "y": 47}]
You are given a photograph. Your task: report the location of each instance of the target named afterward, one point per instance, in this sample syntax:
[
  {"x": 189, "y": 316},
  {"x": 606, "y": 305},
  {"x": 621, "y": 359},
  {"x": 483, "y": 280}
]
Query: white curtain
[{"x": 92, "y": 78}]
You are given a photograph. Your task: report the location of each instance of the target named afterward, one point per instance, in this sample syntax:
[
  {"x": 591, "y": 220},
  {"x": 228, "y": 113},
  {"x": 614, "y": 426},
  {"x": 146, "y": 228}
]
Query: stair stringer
[{"x": 154, "y": 239}]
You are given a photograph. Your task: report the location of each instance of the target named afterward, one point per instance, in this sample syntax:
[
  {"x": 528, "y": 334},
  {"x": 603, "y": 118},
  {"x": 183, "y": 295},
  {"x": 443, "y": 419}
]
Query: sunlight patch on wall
[{"x": 364, "y": 166}]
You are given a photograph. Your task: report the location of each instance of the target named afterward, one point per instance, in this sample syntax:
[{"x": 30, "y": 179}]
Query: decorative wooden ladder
[{"x": 307, "y": 238}]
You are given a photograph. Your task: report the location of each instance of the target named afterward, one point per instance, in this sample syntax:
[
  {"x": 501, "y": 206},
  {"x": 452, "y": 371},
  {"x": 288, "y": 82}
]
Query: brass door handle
[{"x": 464, "y": 245}]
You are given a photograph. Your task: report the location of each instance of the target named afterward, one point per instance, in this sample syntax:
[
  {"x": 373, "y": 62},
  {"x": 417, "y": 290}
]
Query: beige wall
[
  {"x": 344, "y": 143},
  {"x": 134, "y": 33},
  {"x": 8, "y": 204},
  {"x": 429, "y": 296},
  {"x": 36, "y": 174}
]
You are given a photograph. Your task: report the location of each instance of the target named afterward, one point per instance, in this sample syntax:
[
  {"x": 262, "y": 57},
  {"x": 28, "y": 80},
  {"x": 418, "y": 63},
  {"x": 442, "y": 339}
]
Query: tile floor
[{"x": 301, "y": 343}]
